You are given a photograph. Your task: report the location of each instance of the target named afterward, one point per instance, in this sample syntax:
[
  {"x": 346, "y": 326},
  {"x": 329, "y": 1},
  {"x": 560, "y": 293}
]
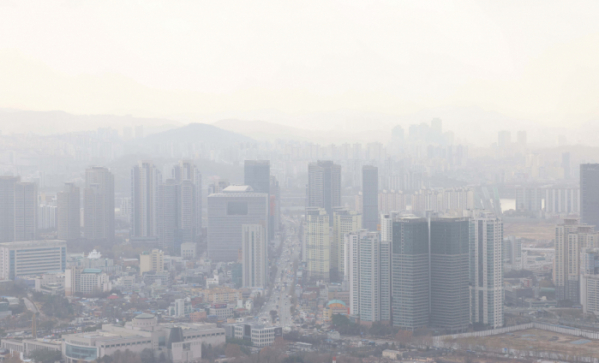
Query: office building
[
  {"x": 364, "y": 275},
  {"x": 189, "y": 250},
  {"x": 187, "y": 174},
  {"x": 259, "y": 334},
  {"x": 571, "y": 239},
  {"x": 69, "y": 212},
  {"x": 227, "y": 212},
  {"x": 25, "y": 211},
  {"x": 256, "y": 174},
  {"x": 179, "y": 342},
  {"x": 168, "y": 217},
  {"x": 98, "y": 204},
  {"x": 370, "y": 197},
  {"x": 589, "y": 194},
  {"x": 324, "y": 186},
  {"x": 254, "y": 256},
  {"x": 7, "y": 208},
  {"x": 274, "y": 207},
  {"x": 318, "y": 245},
  {"x": 345, "y": 221},
  {"x": 145, "y": 179},
  {"x": 410, "y": 273},
  {"x": 26, "y": 258},
  {"x": 151, "y": 261},
  {"x": 486, "y": 270},
  {"x": 86, "y": 281},
  {"x": 450, "y": 295}
]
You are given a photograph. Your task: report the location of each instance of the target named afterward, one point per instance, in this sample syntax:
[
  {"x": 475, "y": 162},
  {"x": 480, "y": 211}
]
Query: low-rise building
[
  {"x": 259, "y": 334},
  {"x": 181, "y": 342}
]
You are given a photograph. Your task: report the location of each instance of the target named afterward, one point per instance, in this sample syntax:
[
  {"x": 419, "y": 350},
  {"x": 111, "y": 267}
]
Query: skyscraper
[
  {"x": 589, "y": 194},
  {"x": 187, "y": 174},
  {"x": 168, "y": 213},
  {"x": 256, "y": 174},
  {"x": 25, "y": 211},
  {"x": 235, "y": 206},
  {"x": 450, "y": 295},
  {"x": 69, "y": 212},
  {"x": 504, "y": 139},
  {"x": 317, "y": 243},
  {"x": 364, "y": 266},
  {"x": 145, "y": 179},
  {"x": 324, "y": 186},
  {"x": 7, "y": 208},
  {"x": 254, "y": 256},
  {"x": 345, "y": 221},
  {"x": 486, "y": 270},
  {"x": 410, "y": 273},
  {"x": 98, "y": 204},
  {"x": 370, "y": 195}
]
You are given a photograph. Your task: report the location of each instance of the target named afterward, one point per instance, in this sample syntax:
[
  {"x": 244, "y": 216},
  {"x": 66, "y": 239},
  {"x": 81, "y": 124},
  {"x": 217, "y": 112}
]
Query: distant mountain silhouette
[{"x": 198, "y": 133}]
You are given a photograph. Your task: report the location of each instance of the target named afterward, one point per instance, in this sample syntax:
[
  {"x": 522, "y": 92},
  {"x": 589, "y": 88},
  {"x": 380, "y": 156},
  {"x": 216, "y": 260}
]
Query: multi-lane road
[{"x": 280, "y": 299}]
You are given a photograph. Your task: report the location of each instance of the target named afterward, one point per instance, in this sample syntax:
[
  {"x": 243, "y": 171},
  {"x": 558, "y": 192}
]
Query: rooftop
[{"x": 36, "y": 243}]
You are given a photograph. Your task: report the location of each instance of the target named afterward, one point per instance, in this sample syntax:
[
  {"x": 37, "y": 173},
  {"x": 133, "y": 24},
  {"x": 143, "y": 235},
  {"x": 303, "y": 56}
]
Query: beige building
[
  {"x": 151, "y": 261},
  {"x": 571, "y": 238},
  {"x": 221, "y": 295},
  {"x": 344, "y": 222},
  {"x": 318, "y": 244}
]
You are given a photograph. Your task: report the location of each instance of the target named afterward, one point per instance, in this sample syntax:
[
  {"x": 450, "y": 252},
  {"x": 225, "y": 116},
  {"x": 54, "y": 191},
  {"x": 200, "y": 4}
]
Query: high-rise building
[
  {"x": 25, "y": 211},
  {"x": 589, "y": 194},
  {"x": 386, "y": 236},
  {"x": 571, "y": 239},
  {"x": 254, "y": 256},
  {"x": 449, "y": 291},
  {"x": 275, "y": 206},
  {"x": 318, "y": 245},
  {"x": 145, "y": 179},
  {"x": 370, "y": 195},
  {"x": 168, "y": 213},
  {"x": 486, "y": 270},
  {"x": 235, "y": 206},
  {"x": 188, "y": 175},
  {"x": 364, "y": 266},
  {"x": 69, "y": 212},
  {"x": 256, "y": 174},
  {"x": 98, "y": 204},
  {"x": 410, "y": 273},
  {"x": 324, "y": 186},
  {"x": 7, "y": 208},
  {"x": 345, "y": 221}
]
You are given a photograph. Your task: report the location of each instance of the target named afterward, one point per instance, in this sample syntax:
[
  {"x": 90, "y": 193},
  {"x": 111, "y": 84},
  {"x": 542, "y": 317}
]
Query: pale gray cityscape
[{"x": 310, "y": 182}]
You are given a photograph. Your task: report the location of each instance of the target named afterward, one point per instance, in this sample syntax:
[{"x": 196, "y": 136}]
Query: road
[{"x": 285, "y": 278}]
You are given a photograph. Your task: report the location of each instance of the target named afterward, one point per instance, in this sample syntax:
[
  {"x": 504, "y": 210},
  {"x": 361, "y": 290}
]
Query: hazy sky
[{"x": 535, "y": 60}]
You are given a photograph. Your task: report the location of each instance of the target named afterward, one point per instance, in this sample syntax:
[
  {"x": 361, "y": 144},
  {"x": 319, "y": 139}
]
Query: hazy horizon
[{"x": 528, "y": 66}]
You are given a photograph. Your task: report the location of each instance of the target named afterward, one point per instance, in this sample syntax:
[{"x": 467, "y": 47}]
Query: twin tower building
[{"x": 412, "y": 272}]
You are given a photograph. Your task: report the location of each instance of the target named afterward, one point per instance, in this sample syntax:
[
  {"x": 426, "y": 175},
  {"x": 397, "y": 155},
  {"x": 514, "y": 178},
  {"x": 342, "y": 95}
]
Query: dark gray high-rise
[
  {"x": 589, "y": 194},
  {"x": 18, "y": 210},
  {"x": 98, "y": 204},
  {"x": 256, "y": 174},
  {"x": 410, "y": 273},
  {"x": 190, "y": 179},
  {"x": 450, "y": 294},
  {"x": 324, "y": 186},
  {"x": 68, "y": 213},
  {"x": 370, "y": 197}
]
